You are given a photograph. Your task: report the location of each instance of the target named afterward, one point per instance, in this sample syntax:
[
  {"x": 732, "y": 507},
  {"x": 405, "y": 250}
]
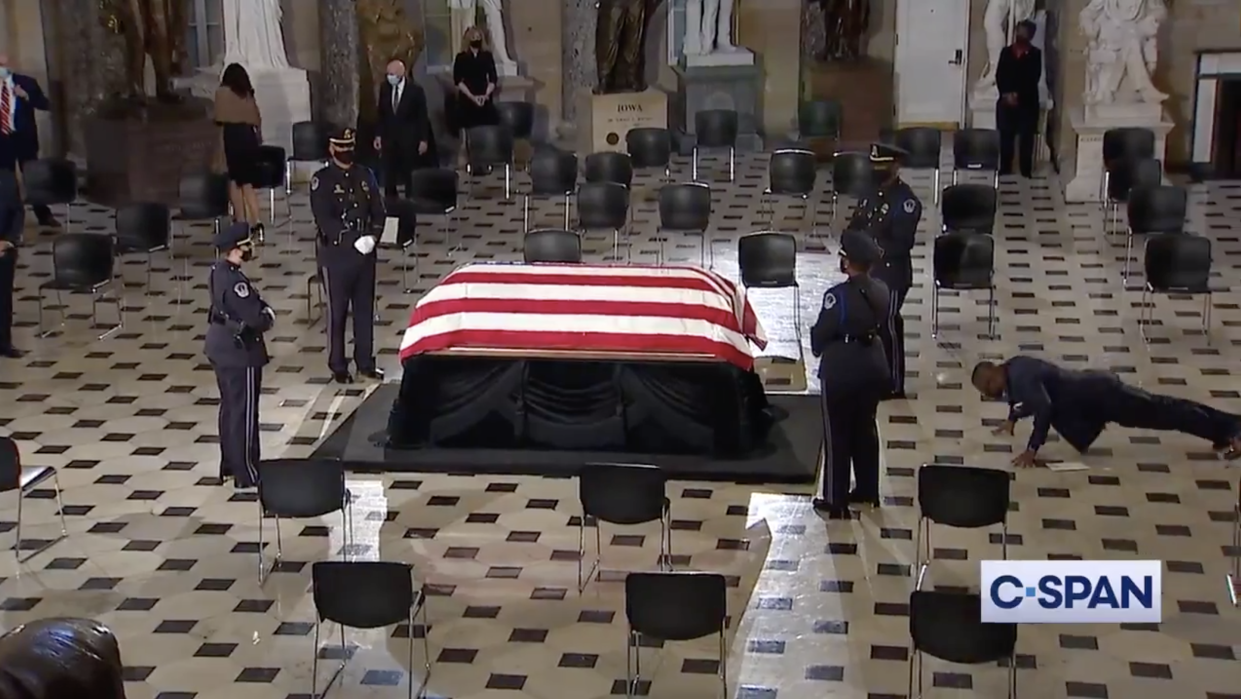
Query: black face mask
[
  {"x": 476, "y": 45},
  {"x": 344, "y": 157},
  {"x": 882, "y": 175}
]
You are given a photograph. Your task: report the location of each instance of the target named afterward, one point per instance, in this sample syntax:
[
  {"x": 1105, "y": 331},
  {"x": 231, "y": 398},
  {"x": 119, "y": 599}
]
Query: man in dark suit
[
  {"x": 1016, "y": 115},
  {"x": 404, "y": 136},
  {"x": 20, "y": 96},
  {"x": 12, "y": 221}
]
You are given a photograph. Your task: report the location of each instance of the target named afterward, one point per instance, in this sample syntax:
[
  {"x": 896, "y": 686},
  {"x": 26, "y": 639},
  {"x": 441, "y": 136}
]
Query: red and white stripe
[{"x": 587, "y": 308}]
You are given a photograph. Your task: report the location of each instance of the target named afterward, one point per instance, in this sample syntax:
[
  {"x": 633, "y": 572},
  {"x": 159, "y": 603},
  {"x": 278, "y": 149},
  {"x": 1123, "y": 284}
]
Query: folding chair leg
[
  {"x": 1206, "y": 316},
  {"x": 1234, "y": 576},
  {"x": 271, "y": 207},
  {"x": 935, "y": 180},
  {"x": 732, "y": 163},
  {"x": 568, "y": 208},
  {"x": 1145, "y": 315},
  {"x": 934, "y": 310},
  {"x": 633, "y": 664},
  {"x": 1128, "y": 253},
  {"x": 694, "y": 165},
  {"x": 991, "y": 312},
  {"x": 584, "y": 578},
  {"x": 508, "y": 181},
  {"x": 921, "y": 563},
  {"x": 60, "y": 506},
  {"x": 314, "y": 664},
  {"x": 525, "y": 214},
  {"x": 723, "y": 666}
]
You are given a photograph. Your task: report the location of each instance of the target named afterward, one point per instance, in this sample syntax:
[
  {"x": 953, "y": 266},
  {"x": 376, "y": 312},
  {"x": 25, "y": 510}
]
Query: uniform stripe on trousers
[
  {"x": 252, "y": 400},
  {"x": 829, "y": 489},
  {"x": 327, "y": 301}
]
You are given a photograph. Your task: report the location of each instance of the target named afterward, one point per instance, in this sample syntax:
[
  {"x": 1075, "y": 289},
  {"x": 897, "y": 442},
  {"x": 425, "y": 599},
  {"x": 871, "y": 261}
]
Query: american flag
[{"x": 592, "y": 309}]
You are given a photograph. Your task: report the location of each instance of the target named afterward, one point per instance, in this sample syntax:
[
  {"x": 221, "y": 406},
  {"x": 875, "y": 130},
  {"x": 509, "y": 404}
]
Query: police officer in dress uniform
[
  {"x": 237, "y": 319},
  {"x": 853, "y": 371},
  {"x": 349, "y": 213},
  {"x": 891, "y": 214}
]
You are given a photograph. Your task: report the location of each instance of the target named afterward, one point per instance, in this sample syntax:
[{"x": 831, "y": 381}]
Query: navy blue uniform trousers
[
  {"x": 1101, "y": 398},
  {"x": 850, "y": 441},
  {"x": 349, "y": 280},
  {"x": 240, "y": 388},
  {"x": 898, "y": 276}
]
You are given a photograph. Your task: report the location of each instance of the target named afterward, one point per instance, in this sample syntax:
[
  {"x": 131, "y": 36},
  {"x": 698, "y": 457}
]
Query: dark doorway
[{"x": 1226, "y": 160}]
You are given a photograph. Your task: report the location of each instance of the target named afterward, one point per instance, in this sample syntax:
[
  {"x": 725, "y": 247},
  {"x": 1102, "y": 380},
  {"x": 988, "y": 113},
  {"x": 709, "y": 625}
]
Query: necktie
[
  {"x": 6, "y": 109},
  {"x": 396, "y": 97}
]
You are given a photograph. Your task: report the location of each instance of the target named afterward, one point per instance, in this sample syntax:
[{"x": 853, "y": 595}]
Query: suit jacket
[
  {"x": 1020, "y": 75},
  {"x": 407, "y": 126},
  {"x": 23, "y": 143}
]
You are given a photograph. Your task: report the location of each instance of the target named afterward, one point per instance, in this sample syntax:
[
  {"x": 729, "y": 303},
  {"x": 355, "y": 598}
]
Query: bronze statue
[
  {"x": 386, "y": 33},
  {"x": 620, "y": 44},
  {"x": 154, "y": 28},
  {"x": 845, "y": 23}
]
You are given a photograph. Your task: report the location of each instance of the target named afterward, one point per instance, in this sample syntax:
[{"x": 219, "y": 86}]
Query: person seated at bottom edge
[{"x": 1079, "y": 404}]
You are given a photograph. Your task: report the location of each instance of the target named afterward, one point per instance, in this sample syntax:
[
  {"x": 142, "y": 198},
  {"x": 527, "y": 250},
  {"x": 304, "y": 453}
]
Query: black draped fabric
[{"x": 659, "y": 408}]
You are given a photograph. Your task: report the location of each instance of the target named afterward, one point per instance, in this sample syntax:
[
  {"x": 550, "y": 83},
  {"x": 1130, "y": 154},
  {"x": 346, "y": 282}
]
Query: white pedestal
[
  {"x": 737, "y": 57},
  {"x": 1090, "y": 124}
]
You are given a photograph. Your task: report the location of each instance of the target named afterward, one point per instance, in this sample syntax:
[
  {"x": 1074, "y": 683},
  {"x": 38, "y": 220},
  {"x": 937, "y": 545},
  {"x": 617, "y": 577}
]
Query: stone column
[
  {"x": 577, "y": 22},
  {"x": 90, "y": 61},
  {"x": 340, "y": 53}
]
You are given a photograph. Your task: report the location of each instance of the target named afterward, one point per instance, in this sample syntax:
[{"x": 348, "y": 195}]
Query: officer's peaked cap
[
  {"x": 233, "y": 236},
  {"x": 886, "y": 153},
  {"x": 344, "y": 137},
  {"x": 859, "y": 247}
]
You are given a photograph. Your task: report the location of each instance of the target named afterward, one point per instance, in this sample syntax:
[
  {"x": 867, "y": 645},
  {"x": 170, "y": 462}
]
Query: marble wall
[
  {"x": 578, "y": 73},
  {"x": 340, "y": 53}
]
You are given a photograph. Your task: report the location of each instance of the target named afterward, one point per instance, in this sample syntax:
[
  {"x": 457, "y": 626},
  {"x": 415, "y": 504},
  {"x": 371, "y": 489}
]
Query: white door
[{"x": 932, "y": 43}]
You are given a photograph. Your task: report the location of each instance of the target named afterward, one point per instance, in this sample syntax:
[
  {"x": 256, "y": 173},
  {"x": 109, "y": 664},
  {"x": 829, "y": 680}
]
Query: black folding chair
[
  {"x": 406, "y": 214},
  {"x": 367, "y": 595},
  {"x": 948, "y": 626},
  {"x": 435, "y": 193},
  {"x": 83, "y": 263},
  {"x": 1123, "y": 145},
  {"x": 668, "y": 606},
  {"x": 820, "y": 119},
  {"x": 1177, "y": 264},
  {"x": 964, "y": 262},
  {"x": 976, "y": 150},
  {"x": 624, "y": 494},
  {"x": 853, "y": 175},
  {"x": 968, "y": 208},
  {"x": 768, "y": 260},
  {"x": 553, "y": 173},
  {"x": 145, "y": 228},
  {"x": 964, "y": 497},
  {"x": 605, "y": 206},
  {"x": 51, "y": 182},
  {"x": 686, "y": 208},
  {"x": 23, "y": 480},
  {"x": 1123, "y": 178},
  {"x": 609, "y": 166},
  {"x": 203, "y": 197},
  {"x": 309, "y": 146},
  {"x": 299, "y": 489},
  {"x": 650, "y": 147},
  {"x": 552, "y": 245},
  {"x": 791, "y": 172},
  {"x": 487, "y": 147},
  {"x": 923, "y": 147},
  {"x": 716, "y": 128},
  {"x": 1151, "y": 211}
]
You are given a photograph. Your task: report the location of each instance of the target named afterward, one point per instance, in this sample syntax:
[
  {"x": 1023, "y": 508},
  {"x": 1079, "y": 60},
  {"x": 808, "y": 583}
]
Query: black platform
[{"x": 793, "y": 446}]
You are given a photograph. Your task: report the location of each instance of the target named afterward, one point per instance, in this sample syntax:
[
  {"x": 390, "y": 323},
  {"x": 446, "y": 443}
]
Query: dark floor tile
[
  {"x": 512, "y": 682},
  {"x": 825, "y": 673}
]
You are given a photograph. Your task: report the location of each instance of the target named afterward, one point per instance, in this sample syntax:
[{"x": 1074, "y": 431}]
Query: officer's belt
[{"x": 864, "y": 339}]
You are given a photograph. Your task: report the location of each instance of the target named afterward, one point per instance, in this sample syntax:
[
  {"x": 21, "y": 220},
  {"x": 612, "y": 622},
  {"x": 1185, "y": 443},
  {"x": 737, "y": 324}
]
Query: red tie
[{"x": 6, "y": 110}]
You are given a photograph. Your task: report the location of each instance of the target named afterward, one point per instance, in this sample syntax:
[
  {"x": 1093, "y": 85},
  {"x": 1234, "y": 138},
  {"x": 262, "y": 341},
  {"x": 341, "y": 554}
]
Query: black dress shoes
[
  {"x": 342, "y": 377},
  {"x": 11, "y": 353},
  {"x": 371, "y": 374},
  {"x": 831, "y": 511}
]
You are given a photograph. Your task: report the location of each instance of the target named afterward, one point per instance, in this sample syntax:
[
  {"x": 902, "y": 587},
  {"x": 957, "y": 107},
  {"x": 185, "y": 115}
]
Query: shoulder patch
[
  {"x": 242, "y": 289},
  {"x": 910, "y": 205},
  {"x": 829, "y": 301}
]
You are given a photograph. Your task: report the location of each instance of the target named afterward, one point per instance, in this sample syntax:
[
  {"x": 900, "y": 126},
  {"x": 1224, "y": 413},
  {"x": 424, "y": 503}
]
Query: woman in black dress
[
  {"x": 474, "y": 74},
  {"x": 237, "y": 114}
]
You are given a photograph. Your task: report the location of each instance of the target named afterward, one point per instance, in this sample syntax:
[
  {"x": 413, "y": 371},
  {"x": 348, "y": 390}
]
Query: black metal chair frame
[
  {"x": 943, "y": 226},
  {"x": 150, "y": 251},
  {"x": 290, "y": 161},
  {"x": 27, "y": 480},
  {"x": 937, "y": 172},
  {"x": 768, "y": 197},
  {"x": 732, "y": 161},
  {"x": 1110, "y": 206},
  {"x": 1233, "y": 579},
  {"x": 617, "y": 233},
  {"x": 1129, "y": 234},
  {"x": 796, "y": 288},
  {"x": 924, "y": 553},
  {"x": 916, "y": 663},
  {"x": 706, "y": 253},
  {"x": 990, "y": 302},
  {"x": 1106, "y": 180},
  {"x": 525, "y": 207},
  {"x": 447, "y": 216},
  {"x": 271, "y": 197},
  {"x": 470, "y": 173},
  {"x": 665, "y": 540},
  {"x": 970, "y": 167},
  {"x": 418, "y": 609},
  {"x": 633, "y": 657},
  {"x": 346, "y": 514},
  {"x": 1146, "y": 316},
  {"x": 835, "y": 198},
  {"x": 106, "y": 291}
]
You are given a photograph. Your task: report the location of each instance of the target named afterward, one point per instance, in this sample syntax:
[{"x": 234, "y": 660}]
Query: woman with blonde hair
[
  {"x": 241, "y": 127},
  {"x": 475, "y": 77}
]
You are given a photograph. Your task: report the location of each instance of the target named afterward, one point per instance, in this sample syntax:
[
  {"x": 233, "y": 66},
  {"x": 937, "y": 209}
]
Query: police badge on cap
[
  {"x": 886, "y": 154},
  {"x": 343, "y": 138}
]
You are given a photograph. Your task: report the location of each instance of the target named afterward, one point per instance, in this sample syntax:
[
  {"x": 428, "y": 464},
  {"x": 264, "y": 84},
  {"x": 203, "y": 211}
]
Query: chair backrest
[
  {"x": 622, "y": 493},
  {"x": 1125, "y": 175},
  {"x": 203, "y": 196},
  {"x": 609, "y": 167},
  {"x": 964, "y": 261},
  {"x": 300, "y": 488},
  {"x": 685, "y": 207},
  {"x": 438, "y": 186},
  {"x": 649, "y": 146},
  {"x": 767, "y": 259},
  {"x": 363, "y": 594},
  {"x": 1128, "y": 143},
  {"x": 552, "y": 245},
  {"x": 969, "y": 208},
  {"x": 143, "y": 226},
  {"x": 923, "y": 146},
  {"x": 602, "y": 205},
  {"x": 489, "y": 145},
  {"x": 271, "y": 167},
  {"x": 976, "y": 149},
  {"x": 406, "y": 214},
  {"x": 49, "y": 181},
  {"x": 83, "y": 260},
  {"x": 963, "y": 496},
  {"x": 853, "y": 174},
  {"x": 820, "y": 119},
  {"x": 1178, "y": 262},
  {"x": 716, "y": 128},
  {"x": 792, "y": 171},
  {"x": 10, "y": 465},
  {"x": 518, "y": 117},
  {"x": 947, "y": 625},
  {"x": 676, "y": 606},
  {"x": 309, "y": 142},
  {"x": 553, "y": 171},
  {"x": 1159, "y": 209}
]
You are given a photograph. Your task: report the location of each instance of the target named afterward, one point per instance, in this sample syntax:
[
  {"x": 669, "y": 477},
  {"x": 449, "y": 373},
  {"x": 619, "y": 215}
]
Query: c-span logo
[{"x": 1071, "y": 592}]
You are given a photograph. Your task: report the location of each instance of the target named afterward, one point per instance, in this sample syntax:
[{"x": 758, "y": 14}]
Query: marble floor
[{"x": 817, "y": 609}]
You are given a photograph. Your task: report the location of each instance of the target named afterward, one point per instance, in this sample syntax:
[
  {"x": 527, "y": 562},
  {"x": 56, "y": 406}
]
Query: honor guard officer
[
  {"x": 853, "y": 372},
  {"x": 349, "y": 213},
  {"x": 237, "y": 319},
  {"x": 890, "y": 214}
]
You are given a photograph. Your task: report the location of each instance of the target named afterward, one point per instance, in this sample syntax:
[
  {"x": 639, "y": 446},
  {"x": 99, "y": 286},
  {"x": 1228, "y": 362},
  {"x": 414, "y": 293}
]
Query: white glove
[
  {"x": 365, "y": 244},
  {"x": 270, "y": 313}
]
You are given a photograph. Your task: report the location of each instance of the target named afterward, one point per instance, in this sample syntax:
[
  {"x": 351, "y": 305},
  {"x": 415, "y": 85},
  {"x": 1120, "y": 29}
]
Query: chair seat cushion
[{"x": 34, "y": 475}]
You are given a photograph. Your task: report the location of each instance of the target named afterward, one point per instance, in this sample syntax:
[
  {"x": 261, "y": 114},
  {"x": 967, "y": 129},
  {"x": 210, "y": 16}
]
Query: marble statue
[
  {"x": 998, "y": 21},
  {"x": 709, "y": 27},
  {"x": 1122, "y": 51},
  {"x": 845, "y": 23},
  {"x": 620, "y": 44},
  {"x": 464, "y": 13},
  {"x": 154, "y": 28},
  {"x": 252, "y": 35}
]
